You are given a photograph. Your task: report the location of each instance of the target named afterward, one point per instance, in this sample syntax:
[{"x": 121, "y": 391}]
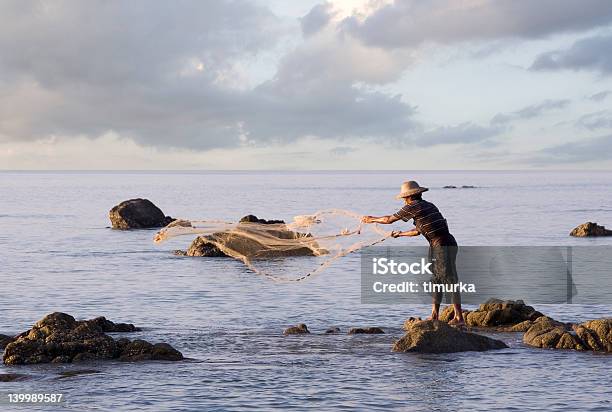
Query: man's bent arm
[{"x": 384, "y": 220}]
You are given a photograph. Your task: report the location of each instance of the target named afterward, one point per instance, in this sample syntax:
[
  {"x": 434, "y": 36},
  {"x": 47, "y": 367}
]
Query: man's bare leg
[
  {"x": 458, "y": 318},
  {"x": 435, "y": 309}
]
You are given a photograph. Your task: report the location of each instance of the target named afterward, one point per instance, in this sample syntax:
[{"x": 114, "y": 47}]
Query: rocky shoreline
[
  {"x": 491, "y": 317},
  {"x": 59, "y": 338}
]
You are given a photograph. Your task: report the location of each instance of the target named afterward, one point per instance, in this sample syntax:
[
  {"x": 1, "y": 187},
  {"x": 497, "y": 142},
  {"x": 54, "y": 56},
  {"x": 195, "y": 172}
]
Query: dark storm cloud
[
  {"x": 407, "y": 23},
  {"x": 587, "y": 54},
  {"x": 597, "y": 149},
  {"x": 530, "y": 112},
  {"x": 317, "y": 18}
]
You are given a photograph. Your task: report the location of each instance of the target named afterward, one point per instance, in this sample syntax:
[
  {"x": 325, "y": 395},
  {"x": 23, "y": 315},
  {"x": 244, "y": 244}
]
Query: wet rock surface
[
  {"x": 298, "y": 329},
  {"x": 594, "y": 335},
  {"x": 590, "y": 229},
  {"x": 503, "y": 315},
  {"x": 59, "y": 338},
  {"x": 434, "y": 336},
  {"x": 137, "y": 214},
  {"x": 365, "y": 331},
  {"x": 332, "y": 331}
]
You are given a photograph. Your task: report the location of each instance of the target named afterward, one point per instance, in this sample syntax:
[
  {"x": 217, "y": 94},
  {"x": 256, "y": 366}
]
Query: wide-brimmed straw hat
[{"x": 410, "y": 188}]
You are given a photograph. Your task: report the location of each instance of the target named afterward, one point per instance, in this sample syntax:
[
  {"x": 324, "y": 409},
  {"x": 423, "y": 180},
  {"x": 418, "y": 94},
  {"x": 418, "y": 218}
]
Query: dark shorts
[{"x": 443, "y": 255}]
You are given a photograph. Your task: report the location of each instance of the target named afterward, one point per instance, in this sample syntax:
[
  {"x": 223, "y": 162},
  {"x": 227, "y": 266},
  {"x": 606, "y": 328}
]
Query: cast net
[{"x": 304, "y": 247}]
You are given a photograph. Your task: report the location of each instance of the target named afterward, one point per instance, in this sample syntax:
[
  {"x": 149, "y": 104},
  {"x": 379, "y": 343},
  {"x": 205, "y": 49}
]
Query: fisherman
[{"x": 430, "y": 223}]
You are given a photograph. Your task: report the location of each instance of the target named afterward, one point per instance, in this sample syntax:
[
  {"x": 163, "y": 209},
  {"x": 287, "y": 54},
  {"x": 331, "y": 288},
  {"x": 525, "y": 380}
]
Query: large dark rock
[
  {"x": 59, "y": 338},
  {"x": 594, "y": 335},
  {"x": 246, "y": 245},
  {"x": 137, "y": 214},
  {"x": 434, "y": 336},
  {"x": 589, "y": 229},
  {"x": 506, "y": 315}
]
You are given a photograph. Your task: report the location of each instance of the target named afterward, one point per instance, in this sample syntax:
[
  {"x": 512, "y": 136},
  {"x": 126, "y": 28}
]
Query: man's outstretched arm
[{"x": 384, "y": 220}]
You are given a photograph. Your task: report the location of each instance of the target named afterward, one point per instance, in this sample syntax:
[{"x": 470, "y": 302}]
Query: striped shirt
[{"x": 427, "y": 219}]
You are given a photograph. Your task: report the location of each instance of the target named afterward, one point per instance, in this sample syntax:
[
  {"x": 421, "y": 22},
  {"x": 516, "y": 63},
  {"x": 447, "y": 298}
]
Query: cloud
[
  {"x": 597, "y": 149},
  {"x": 597, "y": 120},
  {"x": 598, "y": 97},
  {"x": 342, "y": 150},
  {"x": 592, "y": 53},
  {"x": 172, "y": 76},
  {"x": 530, "y": 112},
  {"x": 464, "y": 133},
  {"x": 318, "y": 17},
  {"x": 412, "y": 22}
]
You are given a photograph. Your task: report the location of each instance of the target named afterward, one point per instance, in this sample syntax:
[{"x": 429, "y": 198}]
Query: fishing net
[{"x": 305, "y": 246}]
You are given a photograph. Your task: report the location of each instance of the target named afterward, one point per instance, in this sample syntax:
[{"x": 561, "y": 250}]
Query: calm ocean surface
[{"x": 57, "y": 254}]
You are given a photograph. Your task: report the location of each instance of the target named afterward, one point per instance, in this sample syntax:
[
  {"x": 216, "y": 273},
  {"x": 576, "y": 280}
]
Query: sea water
[{"x": 58, "y": 254}]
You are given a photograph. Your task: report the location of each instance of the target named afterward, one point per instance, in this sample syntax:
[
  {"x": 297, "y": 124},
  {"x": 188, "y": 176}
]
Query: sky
[{"x": 303, "y": 85}]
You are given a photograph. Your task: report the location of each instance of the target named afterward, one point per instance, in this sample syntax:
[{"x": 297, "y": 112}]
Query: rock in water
[
  {"x": 589, "y": 229},
  {"x": 507, "y": 315},
  {"x": 202, "y": 246},
  {"x": 247, "y": 245},
  {"x": 14, "y": 377},
  {"x": 433, "y": 336},
  {"x": 594, "y": 335},
  {"x": 365, "y": 331},
  {"x": 59, "y": 338},
  {"x": 255, "y": 219},
  {"x": 137, "y": 214},
  {"x": 298, "y": 329}
]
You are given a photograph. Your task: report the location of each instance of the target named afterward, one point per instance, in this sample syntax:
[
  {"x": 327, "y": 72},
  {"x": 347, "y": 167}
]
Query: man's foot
[
  {"x": 434, "y": 316},
  {"x": 456, "y": 322}
]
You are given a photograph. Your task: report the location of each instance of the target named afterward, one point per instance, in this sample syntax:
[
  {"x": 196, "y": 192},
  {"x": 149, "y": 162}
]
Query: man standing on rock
[{"x": 430, "y": 223}]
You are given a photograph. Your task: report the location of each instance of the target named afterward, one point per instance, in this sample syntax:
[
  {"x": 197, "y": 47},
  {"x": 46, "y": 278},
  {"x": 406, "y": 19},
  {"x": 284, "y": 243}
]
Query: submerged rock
[
  {"x": 434, "y": 336},
  {"x": 14, "y": 377},
  {"x": 77, "y": 372},
  {"x": 332, "y": 331},
  {"x": 246, "y": 245},
  {"x": 366, "y": 331},
  {"x": 590, "y": 229},
  {"x": 594, "y": 335},
  {"x": 506, "y": 315},
  {"x": 59, "y": 338},
  {"x": 298, "y": 329},
  {"x": 137, "y": 214}
]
